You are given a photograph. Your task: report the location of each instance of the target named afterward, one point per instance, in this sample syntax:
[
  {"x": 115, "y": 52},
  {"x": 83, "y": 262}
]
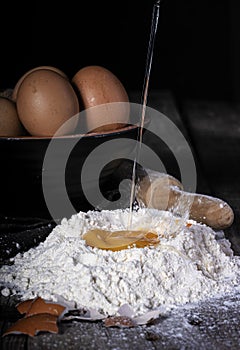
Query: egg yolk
[{"x": 118, "y": 240}]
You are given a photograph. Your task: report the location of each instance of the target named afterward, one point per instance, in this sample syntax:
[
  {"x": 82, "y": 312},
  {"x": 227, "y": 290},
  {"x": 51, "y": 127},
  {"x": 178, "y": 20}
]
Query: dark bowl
[{"x": 27, "y": 176}]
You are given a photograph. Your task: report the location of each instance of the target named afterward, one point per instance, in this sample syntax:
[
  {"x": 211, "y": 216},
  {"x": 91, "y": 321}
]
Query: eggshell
[
  {"x": 39, "y": 306},
  {"x": 10, "y": 124},
  {"x": 34, "y": 324},
  {"x": 45, "y": 101},
  {"x": 97, "y": 86},
  {"x": 19, "y": 82},
  {"x": 24, "y": 306}
]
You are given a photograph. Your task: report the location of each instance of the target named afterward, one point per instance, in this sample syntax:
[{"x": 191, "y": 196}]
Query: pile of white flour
[{"x": 190, "y": 264}]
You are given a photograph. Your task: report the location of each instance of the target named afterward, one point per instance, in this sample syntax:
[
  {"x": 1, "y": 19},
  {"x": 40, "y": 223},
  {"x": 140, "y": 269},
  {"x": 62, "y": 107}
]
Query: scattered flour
[{"x": 190, "y": 264}]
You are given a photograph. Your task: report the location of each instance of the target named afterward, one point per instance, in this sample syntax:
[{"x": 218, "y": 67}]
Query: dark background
[{"x": 196, "y": 50}]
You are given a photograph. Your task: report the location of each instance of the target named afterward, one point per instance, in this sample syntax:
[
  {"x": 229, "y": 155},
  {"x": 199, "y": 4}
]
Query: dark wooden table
[{"x": 213, "y": 130}]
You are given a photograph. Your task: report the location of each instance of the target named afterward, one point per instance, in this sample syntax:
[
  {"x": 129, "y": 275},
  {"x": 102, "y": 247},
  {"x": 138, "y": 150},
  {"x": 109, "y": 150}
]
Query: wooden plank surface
[{"x": 210, "y": 325}]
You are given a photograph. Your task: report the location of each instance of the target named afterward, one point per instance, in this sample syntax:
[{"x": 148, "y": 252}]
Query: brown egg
[
  {"x": 97, "y": 87},
  {"x": 19, "y": 82},
  {"x": 10, "y": 124},
  {"x": 45, "y": 101}
]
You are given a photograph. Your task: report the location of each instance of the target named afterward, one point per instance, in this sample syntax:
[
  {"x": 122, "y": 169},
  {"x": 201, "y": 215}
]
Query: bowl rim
[
  {"x": 69, "y": 136},
  {"x": 119, "y": 131}
]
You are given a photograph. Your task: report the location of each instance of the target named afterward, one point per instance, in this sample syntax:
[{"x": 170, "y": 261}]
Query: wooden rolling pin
[{"x": 164, "y": 192}]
